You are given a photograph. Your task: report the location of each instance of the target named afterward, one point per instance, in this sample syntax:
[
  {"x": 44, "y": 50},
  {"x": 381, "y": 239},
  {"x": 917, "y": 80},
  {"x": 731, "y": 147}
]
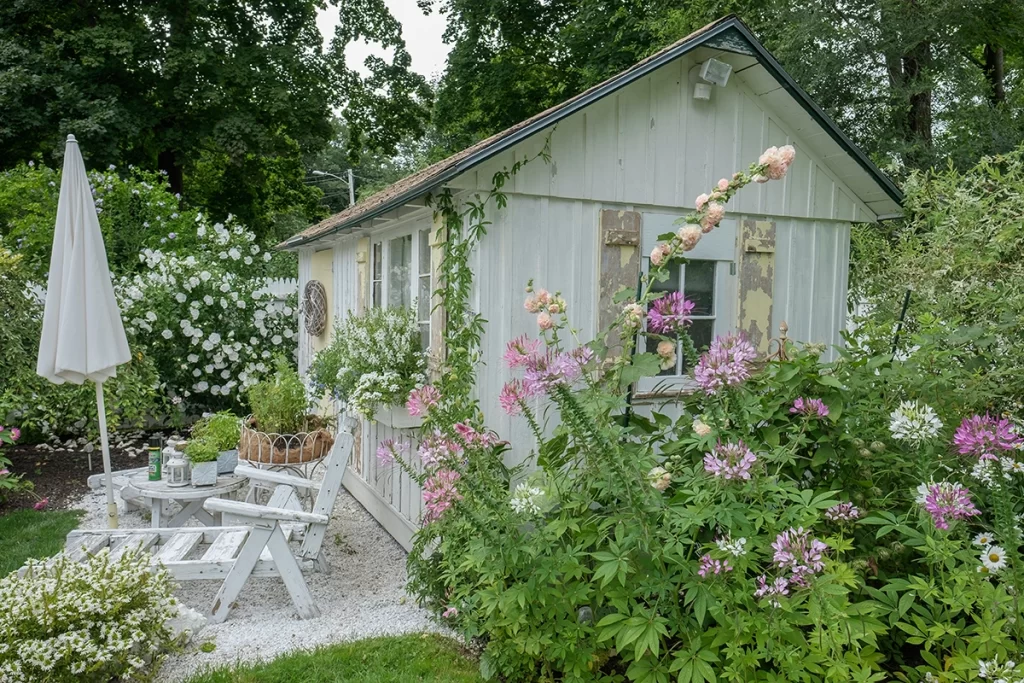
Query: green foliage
[
  {"x": 960, "y": 252},
  {"x": 279, "y": 403},
  {"x": 629, "y": 554},
  {"x": 202, "y": 449},
  {"x": 413, "y": 658},
  {"x": 374, "y": 359},
  {"x": 96, "y": 620},
  {"x": 33, "y": 533},
  {"x": 10, "y": 483},
  {"x": 43, "y": 408},
  {"x": 222, "y": 430}
]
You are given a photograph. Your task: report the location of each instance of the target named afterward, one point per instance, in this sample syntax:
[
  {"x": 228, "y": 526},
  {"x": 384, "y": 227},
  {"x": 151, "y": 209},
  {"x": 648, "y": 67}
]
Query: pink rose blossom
[
  {"x": 723, "y": 185},
  {"x": 700, "y": 202},
  {"x": 545, "y": 322},
  {"x": 422, "y": 400},
  {"x": 689, "y": 235}
]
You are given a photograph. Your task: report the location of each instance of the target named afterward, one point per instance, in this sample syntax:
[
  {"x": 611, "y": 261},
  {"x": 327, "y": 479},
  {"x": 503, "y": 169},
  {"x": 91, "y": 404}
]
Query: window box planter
[
  {"x": 204, "y": 473},
  {"x": 227, "y": 461},
  {"x": 397, "y": 417}
]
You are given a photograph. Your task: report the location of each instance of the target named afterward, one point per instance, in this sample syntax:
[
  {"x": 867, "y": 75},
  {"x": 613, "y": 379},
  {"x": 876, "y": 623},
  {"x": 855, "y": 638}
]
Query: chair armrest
[
  {"x": 254, "y": 473},
  {"x": 253, "y": 511}
]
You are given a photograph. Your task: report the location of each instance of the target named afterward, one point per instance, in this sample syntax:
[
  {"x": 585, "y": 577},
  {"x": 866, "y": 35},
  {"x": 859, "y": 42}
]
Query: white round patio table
[{"x": 190, "y": 498}]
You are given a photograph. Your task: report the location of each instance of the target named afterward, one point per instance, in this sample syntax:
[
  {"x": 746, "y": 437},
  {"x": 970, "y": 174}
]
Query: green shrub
[
  {"x": 221, "y": 429},
  {"x": 374, "y": 359},
  {"x": 279, "y": 403},
  {"x": 100, "y": 620}
]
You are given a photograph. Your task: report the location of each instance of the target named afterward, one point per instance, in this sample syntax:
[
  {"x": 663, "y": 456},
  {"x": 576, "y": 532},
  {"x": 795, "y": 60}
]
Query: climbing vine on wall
[{"x": 464, "y": 223}]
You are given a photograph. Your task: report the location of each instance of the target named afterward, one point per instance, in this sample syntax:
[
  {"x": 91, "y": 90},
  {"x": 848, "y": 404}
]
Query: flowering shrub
[
  {"x": 774, "y": 530},
  {"x": 374, "y": 359},
  {"x": 99, "y": 620},
  {"x": 207, "y": 317},
  {"x": 9, "y": 482}
]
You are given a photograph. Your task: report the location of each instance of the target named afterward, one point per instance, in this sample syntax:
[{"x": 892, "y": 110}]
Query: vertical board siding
[
  {"x": 305, "y": 341},
  {"x": 652, "y": 143}
]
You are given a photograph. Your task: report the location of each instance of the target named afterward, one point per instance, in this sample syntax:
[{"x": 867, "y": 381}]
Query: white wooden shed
[{"x": 627, "y": 158}]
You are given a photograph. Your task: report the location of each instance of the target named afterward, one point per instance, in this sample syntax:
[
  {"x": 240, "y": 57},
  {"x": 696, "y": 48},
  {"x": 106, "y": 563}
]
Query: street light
[{"x": 350, "y": 182}]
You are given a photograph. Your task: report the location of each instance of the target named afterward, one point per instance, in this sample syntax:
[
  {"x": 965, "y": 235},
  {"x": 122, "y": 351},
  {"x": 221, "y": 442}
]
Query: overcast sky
[{"x": 422, "y": 36}]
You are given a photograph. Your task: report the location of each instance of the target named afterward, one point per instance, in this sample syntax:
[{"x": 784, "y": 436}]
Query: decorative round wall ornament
[{"x": 314, "y": 307}]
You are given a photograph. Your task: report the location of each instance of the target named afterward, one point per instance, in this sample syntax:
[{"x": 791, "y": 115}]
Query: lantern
[{"x": 176, "y": 470}]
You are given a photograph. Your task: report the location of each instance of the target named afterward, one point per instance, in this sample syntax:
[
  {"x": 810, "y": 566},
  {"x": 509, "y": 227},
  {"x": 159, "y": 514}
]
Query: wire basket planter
[{"x": 298, "y": 453}]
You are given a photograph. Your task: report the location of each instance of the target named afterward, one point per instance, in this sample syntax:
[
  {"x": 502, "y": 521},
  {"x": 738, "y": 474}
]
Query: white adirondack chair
[{"x": 253, "y": 541}]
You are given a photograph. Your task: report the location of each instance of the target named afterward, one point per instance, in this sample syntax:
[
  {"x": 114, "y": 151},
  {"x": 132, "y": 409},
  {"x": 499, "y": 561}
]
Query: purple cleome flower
[
  {"x": 730, "y": 461},
  {"x": 809, "y": 407},
  {"x": 798, "y": 553},
  {"x": 984, "y": 437},
  {"x": 947, "y": 502},
  {"x": 670, "y": 314},
  {"x": 726, "y": 363}
]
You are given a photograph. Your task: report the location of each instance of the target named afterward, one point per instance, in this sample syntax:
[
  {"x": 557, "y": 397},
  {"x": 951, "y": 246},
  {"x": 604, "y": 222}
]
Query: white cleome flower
[
  {"x": 913, "y": 421},
  {"x": 736, "y": 547},
  {"x": 525, "y": 500}
]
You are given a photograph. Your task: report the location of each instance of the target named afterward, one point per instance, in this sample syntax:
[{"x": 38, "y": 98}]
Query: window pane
[
  {"x": 424, "y": 252},
  {"x": 672, "y": 283},
  {"x": 425, "y": 336},
  {"x": 700, "y": 286},
  {"x": 376, "y": 294},
  {"x": 377, "y": 260},
  {"x": 399, "y": 266},
  {"x": 701, "y": 332},
  {"x": 423, "y": 300}
]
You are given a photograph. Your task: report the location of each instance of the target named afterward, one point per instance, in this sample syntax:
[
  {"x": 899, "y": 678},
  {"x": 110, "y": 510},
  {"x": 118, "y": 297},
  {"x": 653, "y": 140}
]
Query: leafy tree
[{"x": 185, "y": 85}]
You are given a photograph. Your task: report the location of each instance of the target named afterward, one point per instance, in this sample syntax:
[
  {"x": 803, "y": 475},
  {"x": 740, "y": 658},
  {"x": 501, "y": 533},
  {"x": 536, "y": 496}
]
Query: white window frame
[
  {"x": 420, "y": 234},
  {"x": 718, "y": 246}
]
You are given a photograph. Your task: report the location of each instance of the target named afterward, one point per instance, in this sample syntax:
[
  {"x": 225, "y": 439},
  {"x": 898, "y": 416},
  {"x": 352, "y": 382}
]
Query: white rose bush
[
  {"x": 94, "y": 621},
  {"x": 207, "y": 317}
]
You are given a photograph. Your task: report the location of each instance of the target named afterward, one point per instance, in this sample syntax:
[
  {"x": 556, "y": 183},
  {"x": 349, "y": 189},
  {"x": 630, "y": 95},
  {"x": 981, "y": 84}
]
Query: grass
[
  {"x": 28, "y": 533},
  {"x": 417, "y": 658}
]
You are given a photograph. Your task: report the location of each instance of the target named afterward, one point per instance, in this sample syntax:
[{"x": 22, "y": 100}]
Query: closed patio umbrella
[{"x": 83, "y": 337}]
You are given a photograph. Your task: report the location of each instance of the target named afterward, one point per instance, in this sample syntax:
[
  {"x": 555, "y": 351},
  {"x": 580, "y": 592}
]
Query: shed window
[
  {"x": 400, "y": 274},
  {"x": 707, "y": 279}
]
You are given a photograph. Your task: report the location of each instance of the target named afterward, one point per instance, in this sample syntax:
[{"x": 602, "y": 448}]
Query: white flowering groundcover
[
  {"x": 207, "y": 318},
  {"x": 94, "y": 621}
]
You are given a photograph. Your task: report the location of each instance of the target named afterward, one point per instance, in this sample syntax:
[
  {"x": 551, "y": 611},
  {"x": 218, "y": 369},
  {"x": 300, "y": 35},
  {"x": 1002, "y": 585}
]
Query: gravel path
[{"x": 362, "y": 596}]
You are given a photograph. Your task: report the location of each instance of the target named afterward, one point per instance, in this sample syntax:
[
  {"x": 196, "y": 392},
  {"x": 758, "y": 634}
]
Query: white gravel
[{"x": 363, "y": 595}]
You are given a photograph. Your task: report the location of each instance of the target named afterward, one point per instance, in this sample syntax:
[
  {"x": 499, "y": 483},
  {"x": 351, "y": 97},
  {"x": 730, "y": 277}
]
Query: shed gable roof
[{"x": 728, "y": 34}]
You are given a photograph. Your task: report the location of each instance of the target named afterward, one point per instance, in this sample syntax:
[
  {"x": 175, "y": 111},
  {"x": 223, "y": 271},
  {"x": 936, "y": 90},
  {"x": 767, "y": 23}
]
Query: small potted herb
[
  {"x": 283, "y": 429},
  {"x": 223, "y": 431},
  {"x": 202, "y": 453}
]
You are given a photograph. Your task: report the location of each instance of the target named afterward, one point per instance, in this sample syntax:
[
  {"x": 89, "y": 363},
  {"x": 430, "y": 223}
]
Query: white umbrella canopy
[{"x": 83, "y": 337}]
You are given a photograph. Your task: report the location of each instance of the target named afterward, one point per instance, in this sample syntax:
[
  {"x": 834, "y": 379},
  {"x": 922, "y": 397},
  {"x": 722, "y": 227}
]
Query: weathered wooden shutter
[
  {"x": 756, "y": 281},
  {"x": 620, "y": 233}
]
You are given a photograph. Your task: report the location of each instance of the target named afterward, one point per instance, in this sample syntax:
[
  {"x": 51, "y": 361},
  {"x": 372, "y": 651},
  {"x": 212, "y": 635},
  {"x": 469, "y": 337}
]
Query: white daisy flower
[
  {"x": 984, "y": 539},
  {"x": 993, "y": 558}
]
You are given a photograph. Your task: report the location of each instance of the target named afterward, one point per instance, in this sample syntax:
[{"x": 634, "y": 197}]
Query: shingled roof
[{"x": 726, "y": 33}]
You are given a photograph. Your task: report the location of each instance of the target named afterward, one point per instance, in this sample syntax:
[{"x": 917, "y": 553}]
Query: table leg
[
  {"x": 156, "y": 507},
  {"x": 189, "y": 509}
]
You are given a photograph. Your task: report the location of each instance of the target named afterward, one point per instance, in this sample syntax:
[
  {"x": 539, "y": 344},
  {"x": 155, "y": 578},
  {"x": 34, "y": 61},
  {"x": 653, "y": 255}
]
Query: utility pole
[{"x": 351, "y": 182}]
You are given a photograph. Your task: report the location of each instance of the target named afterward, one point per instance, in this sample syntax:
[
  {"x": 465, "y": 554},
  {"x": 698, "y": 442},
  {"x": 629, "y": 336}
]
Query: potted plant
[
  {"x": 282, "y": 429},
  {"x": 202, "y": 455},
  {"x": 374, "y": 361},
  {"x": 223, "y": 430}
]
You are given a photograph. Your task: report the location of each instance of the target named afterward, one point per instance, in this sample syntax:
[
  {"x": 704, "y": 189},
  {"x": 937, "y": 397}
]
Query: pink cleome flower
[
  {"x": 984, "y": 437},
  {"x": 670, "y": 314},
  {"x": 450, "y": 612},
  {"x": 710, "y": 567},
  {"x": 779, "y": 586},
  {"x": 473, "y": 438},
  {"x": 440, "y": 493},
  {"x": 809, "y": 407},
  {"x": 730, "y": 461},
  {"x": 726, "y": 363},
  {"x": 438, "y": 449},
  {"x": 843, "y": 512},
  {"x": 422, "y": 400},
  {"x": 511, "y": 397},
  {"x": 798, "y": 553},
  {"x": 520, "y": 350},
  {"x": 389, "y": 449},
  {"x": 947, "y": 502}
]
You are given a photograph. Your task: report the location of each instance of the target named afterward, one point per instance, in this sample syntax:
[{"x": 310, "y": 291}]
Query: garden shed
[{"x": 626, "y": 158}]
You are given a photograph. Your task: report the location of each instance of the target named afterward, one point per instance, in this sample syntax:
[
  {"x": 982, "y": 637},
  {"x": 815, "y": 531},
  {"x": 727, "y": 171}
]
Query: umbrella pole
[{"x": 101, "y": 413}]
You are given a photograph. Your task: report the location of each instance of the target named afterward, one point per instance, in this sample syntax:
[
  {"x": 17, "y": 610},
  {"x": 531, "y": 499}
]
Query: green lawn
[
  {"x": 414, "y": 658},
  {"x": 28, "y": 533}
]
